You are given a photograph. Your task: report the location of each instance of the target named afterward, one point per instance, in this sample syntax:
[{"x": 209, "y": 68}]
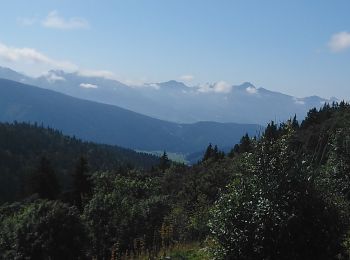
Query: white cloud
[
  {"x": 339, "y": 42},
  {"x": 251, "y": 90},
  {"x": 54, "y": 20},
  {"x": 299, "y": 101},
  {"x": 88, "y": 85},
  {"x": 32, "y": 56},
  {"x": 152, "y": 85},
  {"x": 36, "y": 63},
  {"x": 205, "y": 88},
  {"x": 222, "y": 87},
  {"x": 187, "y": 77},
  {"x": 97, "y": 73},
  {"x": 219, "y": 87},
  {"x": 134, "y": 83},
  {"x": 52, "y": 77}
]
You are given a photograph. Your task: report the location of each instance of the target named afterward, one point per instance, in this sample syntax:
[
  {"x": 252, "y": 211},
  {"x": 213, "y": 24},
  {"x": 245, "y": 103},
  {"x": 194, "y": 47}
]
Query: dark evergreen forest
[{"x": 23, "y": 147}]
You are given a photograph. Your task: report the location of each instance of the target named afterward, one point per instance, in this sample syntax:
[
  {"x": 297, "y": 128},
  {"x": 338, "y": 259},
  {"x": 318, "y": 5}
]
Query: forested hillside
[
  {"x": 283, "y": 195},
  {"x": 22, "y": 147}
]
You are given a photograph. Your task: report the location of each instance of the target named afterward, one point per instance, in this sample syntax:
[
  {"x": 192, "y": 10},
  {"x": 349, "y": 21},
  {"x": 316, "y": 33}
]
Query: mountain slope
[
  {"x": 22, "y": 146},
  {"x": 110, "y": 124},
  {"x": 174, "y": 101}
]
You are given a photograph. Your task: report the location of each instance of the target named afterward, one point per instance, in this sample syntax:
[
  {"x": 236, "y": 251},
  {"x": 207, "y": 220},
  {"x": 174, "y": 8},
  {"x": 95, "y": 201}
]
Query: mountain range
[
  {"x": 174, "y": 101},
  {"x": 103, "y": 123}
]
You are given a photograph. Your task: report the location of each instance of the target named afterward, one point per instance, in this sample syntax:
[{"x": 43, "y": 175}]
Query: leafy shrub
[
  {"x": 41, "y": 230},
  {"x": 275, "y": 210}
]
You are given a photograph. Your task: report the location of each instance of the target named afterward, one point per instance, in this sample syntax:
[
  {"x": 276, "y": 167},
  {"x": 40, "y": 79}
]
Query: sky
[{"x": 296, "y": 47}]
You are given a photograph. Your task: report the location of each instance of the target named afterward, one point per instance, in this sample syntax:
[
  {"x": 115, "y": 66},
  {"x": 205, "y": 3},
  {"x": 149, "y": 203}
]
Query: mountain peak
[
  {"x": 245, "y": 86},
  {"x": 172, "y": 84}
]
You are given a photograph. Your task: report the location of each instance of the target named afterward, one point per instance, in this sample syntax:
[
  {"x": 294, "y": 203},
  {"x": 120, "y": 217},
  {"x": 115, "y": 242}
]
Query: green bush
[
  {"x": 41, "y": 230},
  {"x": 124, "y": 214},
  {"x": 275, "y": 210}
]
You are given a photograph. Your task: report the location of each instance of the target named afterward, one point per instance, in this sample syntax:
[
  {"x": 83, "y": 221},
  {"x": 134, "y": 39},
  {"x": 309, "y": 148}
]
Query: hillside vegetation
[{"x": 282, "y": 195}]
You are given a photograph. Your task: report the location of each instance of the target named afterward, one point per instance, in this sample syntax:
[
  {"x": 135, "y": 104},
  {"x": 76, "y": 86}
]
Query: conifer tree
[
  {"x": 271, "y": 131},
  {"x": 245, "y": 144},
  {"x": 164, "y": 162},
  {"x": 208, "y": 153},
  {"x": 295, "y": 123},
  {"x": 81, "y": 183},
  {"x": 215, "y": 154},
  {"x": 44, "y": 181}
]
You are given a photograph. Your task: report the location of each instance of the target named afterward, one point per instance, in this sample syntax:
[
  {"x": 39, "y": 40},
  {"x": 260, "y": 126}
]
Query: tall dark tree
[
  {"x": 208, "y": 153},
  {"x": 43, "y": 181},
  {"x": 217, "y": 155},
  {"x": 271, "y": 132},
  {"x": 81, "y": 182},
  {"x": 164, "y": 162},
  {"x": 244, "y": 146},
  {"x": 213, "y": 153},
  {"x": 295, "y": 123}
]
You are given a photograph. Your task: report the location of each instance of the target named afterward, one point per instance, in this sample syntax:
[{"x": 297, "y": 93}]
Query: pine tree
[
  {"x": 295, "y": 123},
  {"x": 271, "y": 131},
  {"x": 215, "y": 154},
  {"x": 164, "y": 162},
  {"x": 208, "y": 153},
  {"x": 44, "y": 181},
  {"x": 81, "y": 183},
  {"x": 245, "y": 144}
]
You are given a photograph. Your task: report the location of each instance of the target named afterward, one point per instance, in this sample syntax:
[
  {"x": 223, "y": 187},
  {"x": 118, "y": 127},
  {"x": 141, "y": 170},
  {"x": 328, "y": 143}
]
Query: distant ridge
[
  {"x": 175, "y": 101},
  {"x": 111, "y": 124}
]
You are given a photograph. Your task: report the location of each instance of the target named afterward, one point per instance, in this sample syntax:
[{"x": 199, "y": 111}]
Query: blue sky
[{"x": 296, "y": 47}]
